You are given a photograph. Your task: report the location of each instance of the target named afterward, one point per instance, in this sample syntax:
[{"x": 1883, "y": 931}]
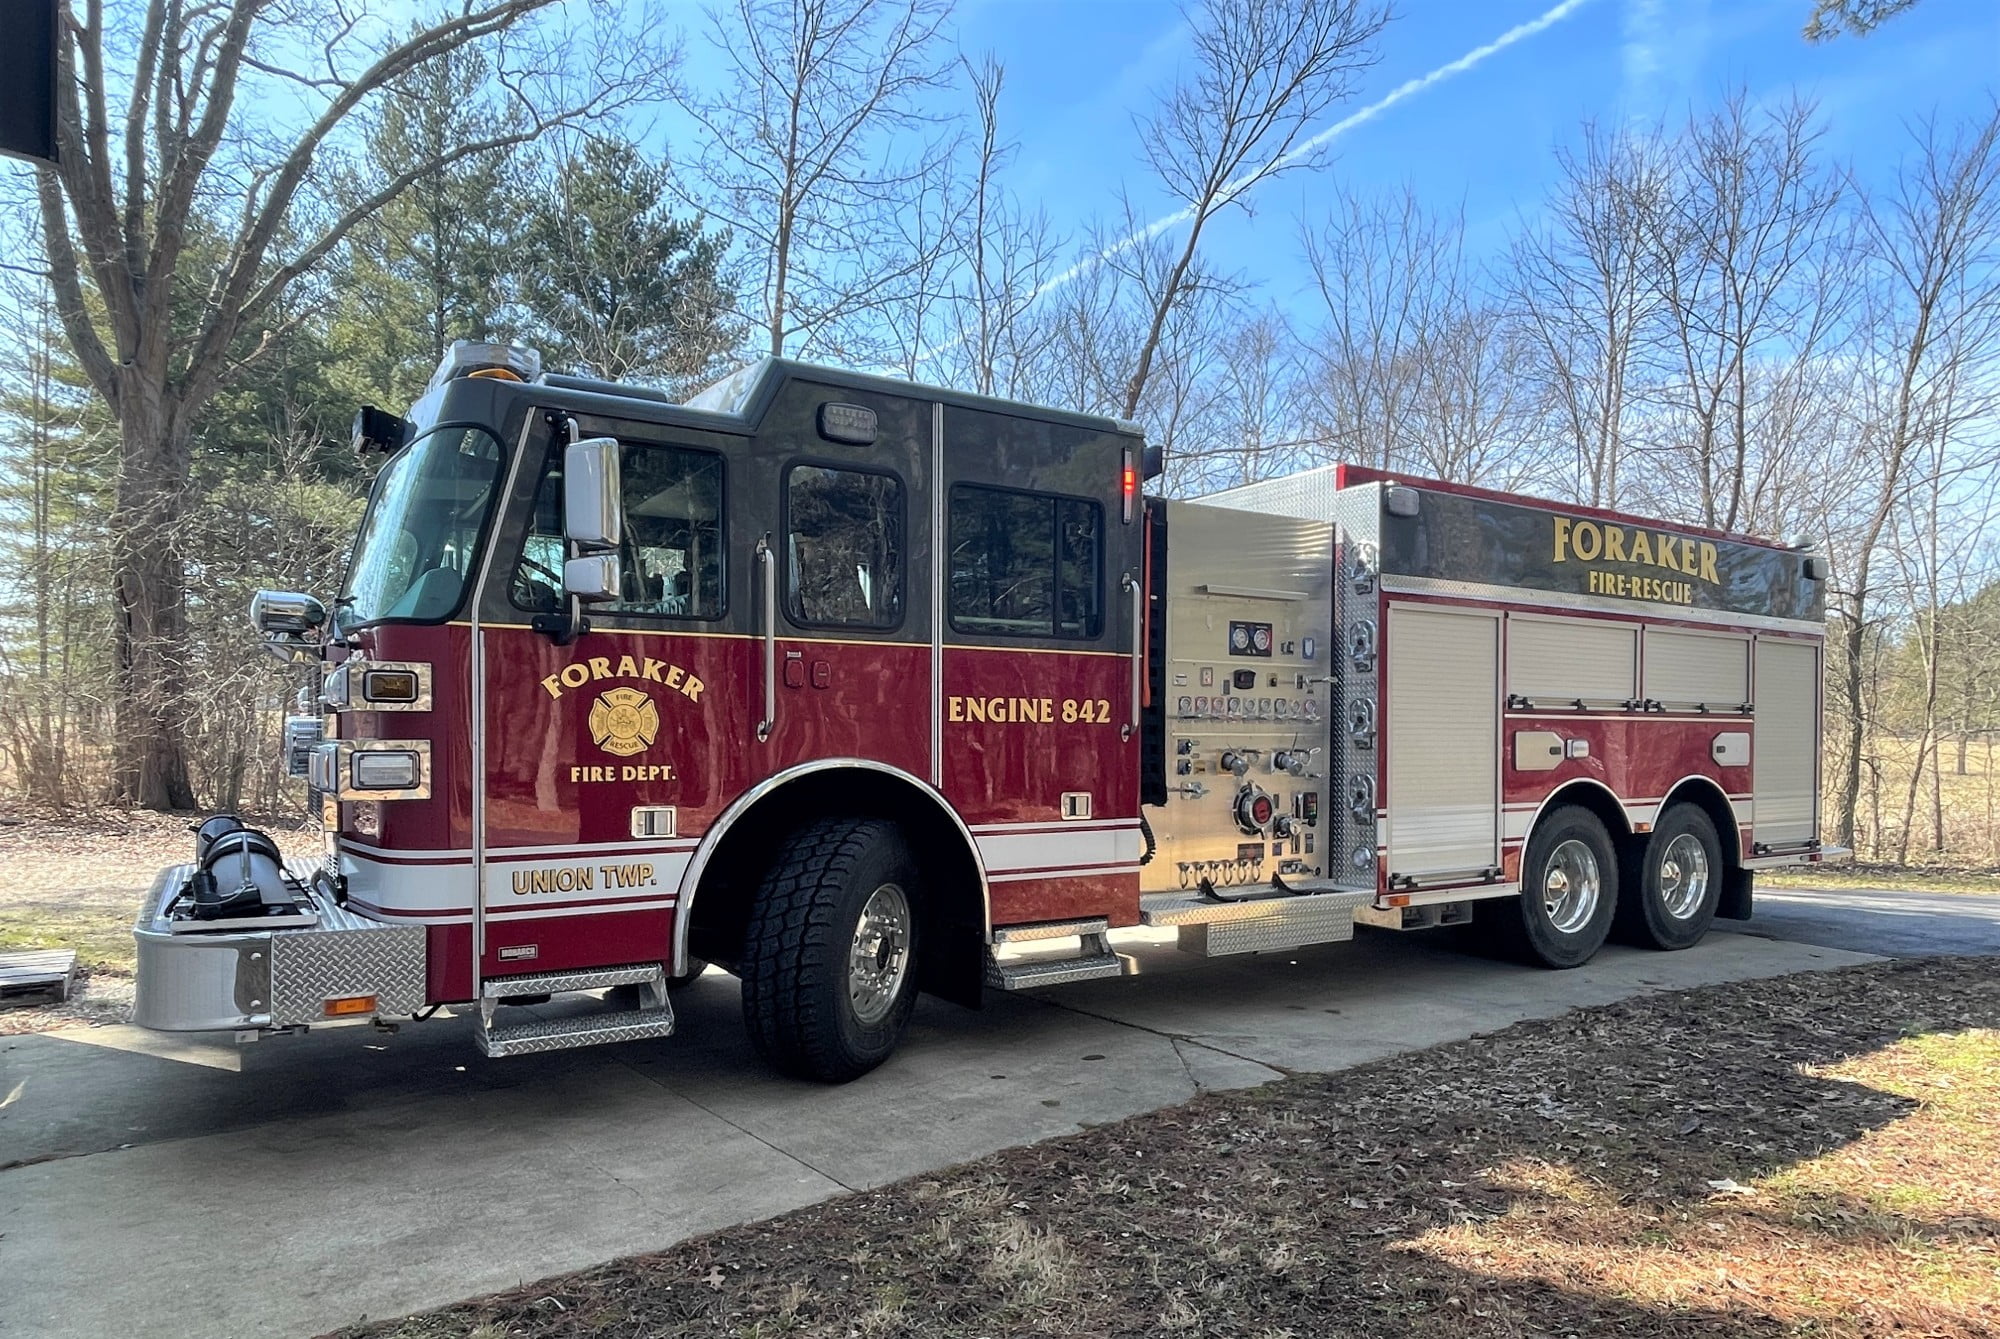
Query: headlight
[
  {"x": 384, "y": 769},
  {"x": 386, "y": 685}
]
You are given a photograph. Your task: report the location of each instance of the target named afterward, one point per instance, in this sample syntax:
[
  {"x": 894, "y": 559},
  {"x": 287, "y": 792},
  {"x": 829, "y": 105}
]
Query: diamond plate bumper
[{"x": 242, "y": 979}]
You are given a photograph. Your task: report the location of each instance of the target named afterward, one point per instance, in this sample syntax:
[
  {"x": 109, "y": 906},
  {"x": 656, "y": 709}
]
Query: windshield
[{"x": 420, "y": 536}]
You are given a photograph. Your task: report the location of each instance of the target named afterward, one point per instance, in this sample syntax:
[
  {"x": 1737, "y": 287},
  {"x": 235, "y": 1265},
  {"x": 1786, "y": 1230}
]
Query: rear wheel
[
  {"x": 1680, "y": 882},
  {"x": 1569, "y": 891},
  {"x": 829, "y": 959}
]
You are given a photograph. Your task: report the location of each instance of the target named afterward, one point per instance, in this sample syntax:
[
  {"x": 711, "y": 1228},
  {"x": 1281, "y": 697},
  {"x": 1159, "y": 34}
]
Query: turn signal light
[
  {"x": 347, "y": 1006},
  {"x": 389, "y": 686}
]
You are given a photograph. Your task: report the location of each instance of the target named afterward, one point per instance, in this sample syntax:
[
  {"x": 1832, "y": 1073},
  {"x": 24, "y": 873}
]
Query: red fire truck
[{"x": 856, "y": 688}]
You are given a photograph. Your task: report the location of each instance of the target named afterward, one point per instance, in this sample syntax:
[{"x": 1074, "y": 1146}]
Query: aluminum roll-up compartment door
[
  {"x": 1560, "y": 662},
  {"x": 1702, "y": 670},
  {"x": 1443, "y": 741},
  {"x": 1785, "y": 743}
]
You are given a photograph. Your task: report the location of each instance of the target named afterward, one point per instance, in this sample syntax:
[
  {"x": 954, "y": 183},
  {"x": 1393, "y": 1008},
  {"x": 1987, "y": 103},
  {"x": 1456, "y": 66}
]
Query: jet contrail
[{"x": 1407, "y": 89}]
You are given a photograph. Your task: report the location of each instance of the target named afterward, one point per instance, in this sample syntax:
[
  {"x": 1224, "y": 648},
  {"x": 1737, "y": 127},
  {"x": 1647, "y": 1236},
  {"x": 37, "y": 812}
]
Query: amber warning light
[
  {"x": 350, "y": 1006},
  {"x": 1129, "y": 484}
]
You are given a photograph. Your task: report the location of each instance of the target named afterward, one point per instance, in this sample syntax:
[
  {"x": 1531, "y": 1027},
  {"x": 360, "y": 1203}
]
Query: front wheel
[
  {"x": 829, "y": 958},
  {"x": 1569, "y": 891},
  {"x": 1680, "y": 882}
]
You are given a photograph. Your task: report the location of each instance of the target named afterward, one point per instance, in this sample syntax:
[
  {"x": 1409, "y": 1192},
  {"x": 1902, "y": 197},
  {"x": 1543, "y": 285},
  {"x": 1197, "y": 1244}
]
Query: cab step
[
  {"x": 1317, "y": 911},
  {"x": 1009, "y": 969},
  {"x": 561, "y": 1034},
  {"x": 654, "y": 1017}
]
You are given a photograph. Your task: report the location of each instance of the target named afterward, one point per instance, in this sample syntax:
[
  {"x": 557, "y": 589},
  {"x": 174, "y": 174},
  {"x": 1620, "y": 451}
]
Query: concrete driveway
[{"x": 156, "y": 1188}]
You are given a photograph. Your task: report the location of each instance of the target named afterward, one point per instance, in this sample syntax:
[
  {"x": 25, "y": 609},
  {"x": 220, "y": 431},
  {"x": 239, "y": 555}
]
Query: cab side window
[
  {"x": 843, "y": 547},
  {"x": 1025, "y": 564},
  {"x": 671, "y": 561}
]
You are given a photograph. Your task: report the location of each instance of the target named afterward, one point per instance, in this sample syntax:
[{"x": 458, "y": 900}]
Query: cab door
[
  {"x": 834, "y": 517},
  {"x": 606, "y": 751}
]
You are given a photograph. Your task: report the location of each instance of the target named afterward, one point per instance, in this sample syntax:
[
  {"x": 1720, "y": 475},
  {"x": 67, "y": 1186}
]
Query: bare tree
[
  {"x": 1387, "y": 273},
  {"x": 1581, "y": 294},
  {"x": 798, "y": 150},
  {"x": 1928, "y": 365},
  {"x": 175, "y": 224},
  {"x": 1264, "y": 70},
  {"x": 1007, "y": 251},
  {"x": 1745, "y": 259}
]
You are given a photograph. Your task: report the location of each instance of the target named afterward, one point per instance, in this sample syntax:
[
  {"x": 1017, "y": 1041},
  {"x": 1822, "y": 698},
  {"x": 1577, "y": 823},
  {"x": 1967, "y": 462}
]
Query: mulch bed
[{"x": 1593, "y": 1174}]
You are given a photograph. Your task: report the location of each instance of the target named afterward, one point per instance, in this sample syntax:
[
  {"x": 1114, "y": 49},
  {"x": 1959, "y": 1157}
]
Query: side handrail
[
  {"x": 1137, "y": 596},
  {"x": 767, "y": 571}
]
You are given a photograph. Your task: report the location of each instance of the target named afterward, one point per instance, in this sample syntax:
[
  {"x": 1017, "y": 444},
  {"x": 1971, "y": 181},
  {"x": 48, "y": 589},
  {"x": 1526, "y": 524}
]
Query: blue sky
[{"x": 1078, "y": 69}]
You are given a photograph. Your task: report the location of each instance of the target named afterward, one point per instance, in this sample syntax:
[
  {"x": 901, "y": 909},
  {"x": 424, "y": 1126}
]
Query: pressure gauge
[
  {"x": 1239, "y": 637},
  {"x": 1260, "y": 638}
]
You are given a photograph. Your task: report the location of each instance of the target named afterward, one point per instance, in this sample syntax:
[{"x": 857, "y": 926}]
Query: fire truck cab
[{"x": 856, "y": 688}]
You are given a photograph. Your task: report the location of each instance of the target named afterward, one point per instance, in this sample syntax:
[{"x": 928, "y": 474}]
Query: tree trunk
[
  {"x": 1847, "y": 796},
  {"x": 149, "y": 634}
]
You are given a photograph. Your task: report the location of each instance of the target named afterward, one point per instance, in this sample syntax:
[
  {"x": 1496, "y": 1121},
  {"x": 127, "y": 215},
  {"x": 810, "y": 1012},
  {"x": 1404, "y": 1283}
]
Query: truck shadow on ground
[{"x": 1705, "y": 1163}]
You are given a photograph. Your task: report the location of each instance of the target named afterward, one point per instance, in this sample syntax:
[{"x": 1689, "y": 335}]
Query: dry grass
[
  {"x": 1806, "y": 1156},
  {"x": 76, "y": 881}
]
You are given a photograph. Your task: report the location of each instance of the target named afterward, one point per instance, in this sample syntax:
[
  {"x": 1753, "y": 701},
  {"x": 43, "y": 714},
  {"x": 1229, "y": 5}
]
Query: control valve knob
[
  {"x": 1254, "y": 809},
  {"x": 1232, "y": 761}
]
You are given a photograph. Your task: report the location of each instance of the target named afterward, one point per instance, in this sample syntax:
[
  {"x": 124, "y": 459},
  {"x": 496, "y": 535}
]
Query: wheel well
[
  {"x": 1706, "y": 796},
  {"x": 1599, "y": 801},
  {"x": 951, "y": 901},
  {"x": 1734, "y": 902}
]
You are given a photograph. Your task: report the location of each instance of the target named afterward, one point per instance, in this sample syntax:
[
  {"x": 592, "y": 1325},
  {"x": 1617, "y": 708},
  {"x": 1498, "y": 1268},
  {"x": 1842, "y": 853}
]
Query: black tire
[
  {"x": 1565, "y": 934},
  {"x": 1672, "y": 902},
  {"x": 799, "y": 981}
]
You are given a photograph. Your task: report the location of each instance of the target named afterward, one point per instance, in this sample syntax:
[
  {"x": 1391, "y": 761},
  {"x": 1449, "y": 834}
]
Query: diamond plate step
[
  {"x": 556, "y": 983},
  {"x": 559, "y": 1034},
  {"x": 1028, "y": 973},
  {"x": 1260, "y": 925},
  {"x": 1024, "y": 934}
]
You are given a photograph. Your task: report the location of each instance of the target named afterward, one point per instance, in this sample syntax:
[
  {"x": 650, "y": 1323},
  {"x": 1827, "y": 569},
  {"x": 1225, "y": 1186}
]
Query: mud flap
[{"x": 1734, "y": 902}]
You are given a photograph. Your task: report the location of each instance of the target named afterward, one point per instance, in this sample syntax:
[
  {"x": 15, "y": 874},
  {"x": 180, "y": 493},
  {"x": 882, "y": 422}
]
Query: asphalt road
[
  {"x": 1880, "y": 921},
  {"x": 168, "y": 1188}
]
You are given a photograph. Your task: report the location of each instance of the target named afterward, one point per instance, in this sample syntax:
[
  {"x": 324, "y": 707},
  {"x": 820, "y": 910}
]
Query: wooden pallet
[{"x": 37, "y": 976}]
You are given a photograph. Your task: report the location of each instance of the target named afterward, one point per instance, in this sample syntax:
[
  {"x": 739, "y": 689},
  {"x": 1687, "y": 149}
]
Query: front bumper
[{"x": 233, "y": 980}]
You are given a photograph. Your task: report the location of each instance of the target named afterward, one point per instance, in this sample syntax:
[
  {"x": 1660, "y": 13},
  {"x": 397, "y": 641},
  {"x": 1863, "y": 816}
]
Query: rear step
[
  {"x": 654, "y": 1017},
  {"x": 1092, "y": 960},
  {"x": 1316, "y": 911}
]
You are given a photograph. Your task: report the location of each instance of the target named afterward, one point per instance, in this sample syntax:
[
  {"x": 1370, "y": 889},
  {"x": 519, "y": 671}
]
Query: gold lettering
[
  {"x": 554, "y": 684},
  {"x": 652, "y": 670},
  {"x": 575, "y": 676},
  {"x": 975, "y": 709},
  {"x": 956, "y": 709},
  {"x": 1614, "y": 543},
  {"x": 600, "y": 667},
  {"x": 628, "y": 668},
  {"x": 1687, "y": 556},
  {"x": 1642, "y": 547},
  {"x": 1708, "y": 564},
  {"x": 1666, "y": 553},
  {"x": 1562, "y": 539},
  {"x": 674, "y": 675},
  {"x": 1587, "y": 540},
  {"x": 692, "y": 688}
]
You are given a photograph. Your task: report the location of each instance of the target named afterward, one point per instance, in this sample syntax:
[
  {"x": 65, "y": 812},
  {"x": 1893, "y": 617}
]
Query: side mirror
[
  {"x": 592, "y": 578},
  {"x": 285, "y": 613},
  {"x": 592, "y": 518},
  {"x": 1816, "y": 567}
]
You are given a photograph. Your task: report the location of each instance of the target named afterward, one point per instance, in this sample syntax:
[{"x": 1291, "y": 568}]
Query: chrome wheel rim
[
  {"x": 1683, "y": 876},
  {"x": 879, "y": 958},
  {"x": 1571, "y": 885}
]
